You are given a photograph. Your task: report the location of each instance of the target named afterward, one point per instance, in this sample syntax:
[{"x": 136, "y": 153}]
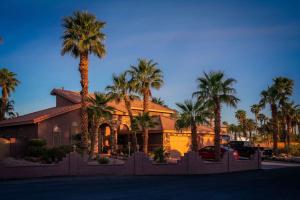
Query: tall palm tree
[
  {"x": 146, "y": 76},
  {"x": 98, "y": 111},
  {"x": 241, "y": 116},
  {"x": 284, "y": 88},
  {"x": 192, "y": 114},
  {"x": 215, "y": 90},
  {"x": 250, "y": 127},
  {"x": 233, "y": 129},
  {"x": 122, "y": 90},
  {"x": 83, "y": 36},
  {"x": 8, "y": 83},
  {"x": 143, "y": 121},
  {"x": 255, "y": 109},
  {"x": 271, "y": 97},
  {"x": 291, "y": 114}
]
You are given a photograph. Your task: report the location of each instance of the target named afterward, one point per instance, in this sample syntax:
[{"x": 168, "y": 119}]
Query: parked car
[
  {"x": 267, "y": 153},
  {"x": 208, "y": 152},
  {"x": 243, "y": 148}
]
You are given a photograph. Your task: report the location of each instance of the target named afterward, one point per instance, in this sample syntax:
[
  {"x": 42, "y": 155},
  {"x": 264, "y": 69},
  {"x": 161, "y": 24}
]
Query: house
[{"x": 58, "y": 125}]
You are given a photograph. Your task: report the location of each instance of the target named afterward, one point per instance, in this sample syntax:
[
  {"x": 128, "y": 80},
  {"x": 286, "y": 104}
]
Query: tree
[
  {"x": 191, "y": 115},
  {"x": 8, "y": 83},
  {"x": 250, "y": 126},
  {"x": 143, "y": 121},
  {"x": 284, "y": 89},
  {"x": 9, "y": 110},
  {"x": 159, "y": 101},
  {"x": 241, "y": 116},
  {"x": 233, "y": 129},
  {"x": 146, "y": 76},
  {"x": 271, "y": 97},
  {"x": 215, "y": 90},
  {"x": 291, "y": 114},
  {"x": 255, "y": 109},
  {"x": 82, "y": 36},
  {"x": 122, "y": 90},
  {"x": 98, "y": 111}
]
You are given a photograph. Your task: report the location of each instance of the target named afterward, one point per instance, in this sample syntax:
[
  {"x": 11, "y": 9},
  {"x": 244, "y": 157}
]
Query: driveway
[{"x": 282, "y": 183}]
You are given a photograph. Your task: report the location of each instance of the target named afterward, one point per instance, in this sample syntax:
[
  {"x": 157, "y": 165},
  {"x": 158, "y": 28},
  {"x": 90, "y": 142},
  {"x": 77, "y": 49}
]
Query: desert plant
[
  {"x": 103, "y": 160},
  {"x": 159, "y": 155}
]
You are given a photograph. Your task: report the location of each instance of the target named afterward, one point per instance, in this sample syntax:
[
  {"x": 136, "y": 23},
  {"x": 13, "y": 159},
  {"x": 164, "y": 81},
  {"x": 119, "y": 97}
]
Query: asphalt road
[{"x": 271, "y": 183}]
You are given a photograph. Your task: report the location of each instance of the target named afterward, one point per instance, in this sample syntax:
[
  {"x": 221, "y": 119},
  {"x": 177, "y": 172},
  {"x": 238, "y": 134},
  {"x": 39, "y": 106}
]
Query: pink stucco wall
[
  {"x": 63, "y": 122},
  {"x": 138, "y": 164}
]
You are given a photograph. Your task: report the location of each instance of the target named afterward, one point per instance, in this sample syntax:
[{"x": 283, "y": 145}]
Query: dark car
[
  {"x": 267, "y": 153},
  {"x": 242, "y": 147},
  {"x": 208, "y": 152}
]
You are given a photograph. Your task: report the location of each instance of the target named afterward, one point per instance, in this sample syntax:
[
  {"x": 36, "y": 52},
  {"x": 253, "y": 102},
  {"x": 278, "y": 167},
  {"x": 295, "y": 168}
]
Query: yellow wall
[{"x": 180, "y": 143}]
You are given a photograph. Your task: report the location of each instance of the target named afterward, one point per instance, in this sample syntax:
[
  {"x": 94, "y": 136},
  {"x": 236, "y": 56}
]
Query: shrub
[
  {"x": 295, "y": 150},
  {"x": 56, "y": 154},
  {"x": 103, "y": 160},
  {"x": 35, "y": 148},
  {"x": 159, "y": 155}
]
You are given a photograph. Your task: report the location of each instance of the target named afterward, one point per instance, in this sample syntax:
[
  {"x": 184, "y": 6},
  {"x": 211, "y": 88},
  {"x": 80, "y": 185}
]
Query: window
[{"x": 56, "y": 136}]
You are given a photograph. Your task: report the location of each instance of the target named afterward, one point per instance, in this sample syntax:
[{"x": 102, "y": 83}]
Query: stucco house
[{"x": 58, "y": 124}]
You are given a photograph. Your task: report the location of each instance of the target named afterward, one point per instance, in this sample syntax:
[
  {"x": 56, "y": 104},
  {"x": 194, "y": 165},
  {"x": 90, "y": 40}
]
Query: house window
[
  {"x": 56, "y": 136},
  {"x": 74, "y": 132}
]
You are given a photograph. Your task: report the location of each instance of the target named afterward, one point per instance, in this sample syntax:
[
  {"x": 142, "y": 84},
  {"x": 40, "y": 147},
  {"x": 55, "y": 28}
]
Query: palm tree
[
  {"x": 214, "y": 89},
  {"x": 8, "y": 83},
  {"x": 82, "y": 36},
  {"x": 146, "y": 76},
  {"x": 291, "y": 114},
  {"x": 270, "y": 96},
  {"x": 250, "y": 127},
  {"x": 284, "y": 89},
  {"x": 191, "y": 115},
  {"x": 241, "y": 116},
  {"x": 9, "y": 110},
  {"x": 143, "y": 121},
  {"x": 159, "y": 101},
  {"x": 98, "y": 111},
  {"x": 122, "y": 89},
  {"x": 255, "y": 109},
  {"x": 233, "y": 129}
]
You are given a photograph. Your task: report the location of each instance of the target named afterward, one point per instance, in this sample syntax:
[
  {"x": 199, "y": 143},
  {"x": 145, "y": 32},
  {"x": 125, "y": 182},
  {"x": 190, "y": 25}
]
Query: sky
[{"x": 252, "y": 42}]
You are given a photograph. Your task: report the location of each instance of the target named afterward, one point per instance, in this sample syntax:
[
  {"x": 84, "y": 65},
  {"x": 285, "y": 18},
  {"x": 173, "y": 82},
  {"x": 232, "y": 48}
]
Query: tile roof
[
  {"x": 168, "y": 123},
  {"x": 39, "y": 116},
  {"x": 75, "y": 97}
]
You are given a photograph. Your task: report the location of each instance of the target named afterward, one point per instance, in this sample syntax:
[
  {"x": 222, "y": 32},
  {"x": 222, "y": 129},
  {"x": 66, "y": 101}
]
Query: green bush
[
  {"x": 295, "y": 150},
  {"x": 103, "y": 160},
  {"x": 37, "y": 142},
  {"x": 35, "y": 148},
  {"x": 159, "y": 155},
  {"x": 56, "y": 154}
]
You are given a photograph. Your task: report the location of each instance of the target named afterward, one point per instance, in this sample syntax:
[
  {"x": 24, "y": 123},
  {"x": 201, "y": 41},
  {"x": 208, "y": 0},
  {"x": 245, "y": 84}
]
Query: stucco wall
[{"x": 63, "y": 122}]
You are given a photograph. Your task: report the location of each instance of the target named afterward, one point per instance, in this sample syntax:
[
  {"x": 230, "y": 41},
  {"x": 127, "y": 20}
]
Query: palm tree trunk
[
  {"x": 83, "y": 69},
  {"x": 289, "y": 132},
  {"x": 217, "y": 129},
  {"x": 133, "y": 138},
  {"x": 194, "y": 137},
  {"x": 4, "y": 102},
  {"x": 94, "y": 139},
  {"x": 146, "y": 130},
  {"x": 275, "y": 127}
]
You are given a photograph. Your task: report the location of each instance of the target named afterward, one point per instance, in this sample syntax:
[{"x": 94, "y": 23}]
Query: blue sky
[{"x": 250, "y": 41}]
